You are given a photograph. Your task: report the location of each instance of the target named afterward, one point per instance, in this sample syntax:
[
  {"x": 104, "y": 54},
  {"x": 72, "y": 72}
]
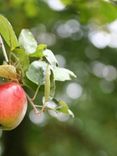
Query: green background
[{"x": 80, "y": 34}]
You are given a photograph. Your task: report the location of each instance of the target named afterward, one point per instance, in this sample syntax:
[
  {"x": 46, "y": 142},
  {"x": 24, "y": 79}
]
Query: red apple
[{"x": 13, "y": 105}]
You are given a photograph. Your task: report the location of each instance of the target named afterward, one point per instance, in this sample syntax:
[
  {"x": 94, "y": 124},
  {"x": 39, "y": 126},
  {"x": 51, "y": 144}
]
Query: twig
[
  {"x": 43, "y": 107},
  {"x": 33, "y": 105},
  {"x": 3, "y": 49},
  {"x": 36, "y": 92}
]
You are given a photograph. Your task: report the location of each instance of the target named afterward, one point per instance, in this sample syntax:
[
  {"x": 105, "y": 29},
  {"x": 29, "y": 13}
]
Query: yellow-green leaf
[
  {"x": 8, "y": 71},
  {"x": 8, "y": 33}
]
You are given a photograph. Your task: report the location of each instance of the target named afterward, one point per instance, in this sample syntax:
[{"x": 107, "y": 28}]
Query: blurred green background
[{"x": 83, "y": 36}]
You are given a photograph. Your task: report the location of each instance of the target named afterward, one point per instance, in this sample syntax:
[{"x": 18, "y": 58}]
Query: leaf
[
  {"x": 8, "y": 33},
  {"x": 8, "y": 71},
  {"x": 39, "y": 51},
  {"x": 36, "y": 72},
  {"x": 59, "y": 107},
  {"x": 27, "y": 41},
  {"x": 29, "y": 84},
  {"x": 64, "y": 108},
  {"x": 21, "y": 59},
  {"x": 51, "y": 105},
  {"x": 70, "y": 113},
  {"x": 62, "y": 74},
  {"x": 50, "y": 57},
  {"x": 42, "y": 47}
]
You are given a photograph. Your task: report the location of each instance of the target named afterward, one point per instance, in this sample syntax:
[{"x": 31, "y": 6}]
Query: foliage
[
  {"x": 37, "y": 71},
  {"x": 93, "y": 10}
]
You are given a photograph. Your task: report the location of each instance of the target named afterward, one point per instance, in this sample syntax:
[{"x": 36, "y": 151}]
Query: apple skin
[{"x": 13, "y": 105}]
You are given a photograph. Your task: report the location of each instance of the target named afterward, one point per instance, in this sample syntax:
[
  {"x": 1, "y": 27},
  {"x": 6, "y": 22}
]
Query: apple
[{"x": 13, "y": 105}]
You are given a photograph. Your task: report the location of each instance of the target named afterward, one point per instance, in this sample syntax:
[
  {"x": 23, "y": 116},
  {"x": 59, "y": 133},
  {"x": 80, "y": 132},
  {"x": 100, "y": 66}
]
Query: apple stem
[
  {"x": 3, "y": 49},
  {"x": 33, "y": 105},
  {"x": 38, "y": 106}
]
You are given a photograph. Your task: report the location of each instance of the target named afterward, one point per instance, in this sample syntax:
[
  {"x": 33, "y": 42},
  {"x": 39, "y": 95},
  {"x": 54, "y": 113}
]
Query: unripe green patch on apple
[{"x": 13, "y": 105}]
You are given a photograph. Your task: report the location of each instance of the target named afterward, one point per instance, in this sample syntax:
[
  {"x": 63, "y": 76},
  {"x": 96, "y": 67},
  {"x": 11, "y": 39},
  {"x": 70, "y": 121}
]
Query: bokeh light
[
  {"x": 55, "y": 4},
  {"x": 74, "y": 90},
  {"x": 38, "y": 119}
]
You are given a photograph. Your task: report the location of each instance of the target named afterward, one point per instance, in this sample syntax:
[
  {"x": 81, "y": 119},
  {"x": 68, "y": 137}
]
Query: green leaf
[
  {"x": 41, "y": 47},
  {"x": 39, "y": 51},
  {"x": 89, "y": 12},
  {"x": 21, "y": 59},
  {"x": 70, "y": 113},
  {"x": 29, "y": 84},
  {"x": 36, "y": 72},
  {"x": 27, "y": 41},
  {"x": 50, "y": 57},
  {"x": 62, "y": 74},
  {"x": 8, "y": 33},
  {"x": 59, "y": 107},
  {"x": 63, "y": 107}
]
